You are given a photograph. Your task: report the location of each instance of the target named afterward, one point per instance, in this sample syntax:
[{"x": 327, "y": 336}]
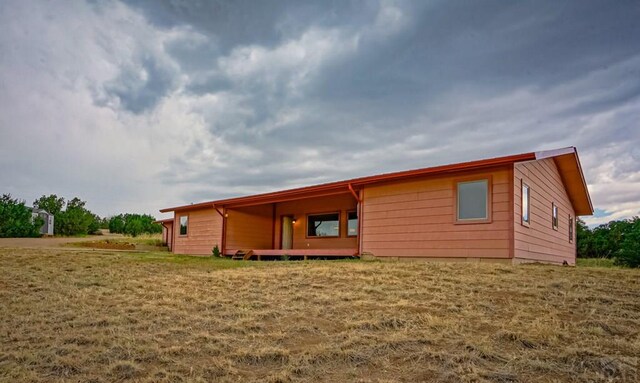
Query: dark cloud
[
  {"x": 247, "y": 22},
  {"x": 205, "y": 100},
  {"x": 141, "y": 86}
]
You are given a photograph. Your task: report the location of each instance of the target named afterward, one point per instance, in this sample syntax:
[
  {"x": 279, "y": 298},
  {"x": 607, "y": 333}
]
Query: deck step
[
  {"x": 238, "y": 255},
  {"x": 242, "y": 255}
]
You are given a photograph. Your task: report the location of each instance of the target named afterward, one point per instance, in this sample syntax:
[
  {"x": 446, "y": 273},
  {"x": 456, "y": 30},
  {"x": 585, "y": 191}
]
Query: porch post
[
  {"x": 224, "y": 230},
  {"x": 360, "y": 220}
]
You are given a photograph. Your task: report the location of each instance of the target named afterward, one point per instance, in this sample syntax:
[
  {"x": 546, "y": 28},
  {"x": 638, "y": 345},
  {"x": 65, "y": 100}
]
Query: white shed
[{"x": 47, "y": 227}]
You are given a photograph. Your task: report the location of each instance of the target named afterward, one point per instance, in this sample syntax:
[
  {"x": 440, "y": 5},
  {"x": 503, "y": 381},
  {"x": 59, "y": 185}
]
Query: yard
[{"x": 96, "y": 315}]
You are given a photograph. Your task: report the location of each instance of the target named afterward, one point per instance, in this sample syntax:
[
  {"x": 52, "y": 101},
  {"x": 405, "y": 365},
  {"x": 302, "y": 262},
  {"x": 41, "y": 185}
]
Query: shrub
[
  {"x": 629, "y": 253},
  {"x": 134, "y": 224},
  {"x": 216, "y": 251},
  {"x": 16, "y": 219}
]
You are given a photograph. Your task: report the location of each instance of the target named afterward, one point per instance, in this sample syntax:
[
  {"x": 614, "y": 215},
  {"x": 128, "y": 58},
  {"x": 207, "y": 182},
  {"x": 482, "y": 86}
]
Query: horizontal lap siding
[
  {"x": 416, "y": 219},
  {"x": 204, "y": 232},
  {"x": 539, "y": 241},
  {"x": 250, "y": 228},
  {"x": 299, "y": 209}
]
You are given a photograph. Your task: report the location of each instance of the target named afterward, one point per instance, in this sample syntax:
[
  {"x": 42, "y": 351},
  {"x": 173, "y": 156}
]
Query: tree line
[
  {"x": 617, "y": 240},
  {"x": 71, "y": 217}
]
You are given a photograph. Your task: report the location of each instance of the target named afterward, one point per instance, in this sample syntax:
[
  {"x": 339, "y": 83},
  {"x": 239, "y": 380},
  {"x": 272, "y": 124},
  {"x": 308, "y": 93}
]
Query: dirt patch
[
  {"x": 46, "y": 242},
  {"x": 106, "y": 244}
]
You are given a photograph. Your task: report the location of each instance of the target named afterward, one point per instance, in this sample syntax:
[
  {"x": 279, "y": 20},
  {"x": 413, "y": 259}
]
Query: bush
[
  {"x": 606, "y": 241},
  {"x": 629, "y": 253},
  {"x": 16, "y": 219},
  {"x": 216, "y": 251},
  {"x": 75, "y": 219},
  {"x": 134, "y": 224}
]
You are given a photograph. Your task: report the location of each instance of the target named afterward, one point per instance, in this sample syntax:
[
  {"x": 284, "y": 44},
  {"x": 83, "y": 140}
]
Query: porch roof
[{"x": 571, "y": 165}]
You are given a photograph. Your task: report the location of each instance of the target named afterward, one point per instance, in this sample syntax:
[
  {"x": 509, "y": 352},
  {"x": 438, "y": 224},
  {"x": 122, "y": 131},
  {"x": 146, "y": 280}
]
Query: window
[
  {"x": 352, "y": 223},
  {"x": 571, "y": 229},
  {"x": 323, "y": 225},
  {"x": 526, "y": 202},
  {"x": 554, "y": 216},
  {"x": 184, "y": 223},
  {"x": 473, "y": 201}
]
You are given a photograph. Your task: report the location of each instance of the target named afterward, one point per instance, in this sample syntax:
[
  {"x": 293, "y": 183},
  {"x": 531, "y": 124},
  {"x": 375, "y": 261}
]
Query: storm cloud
[{"x": 142, "y": 104}]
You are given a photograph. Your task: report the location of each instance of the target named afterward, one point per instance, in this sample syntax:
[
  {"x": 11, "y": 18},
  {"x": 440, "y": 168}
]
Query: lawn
[{"x": 95, "y": 315}]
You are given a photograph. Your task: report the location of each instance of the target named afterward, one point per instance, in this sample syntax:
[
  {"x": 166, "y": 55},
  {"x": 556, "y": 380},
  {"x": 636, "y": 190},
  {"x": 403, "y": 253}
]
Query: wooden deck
[{"x": 258, "y": 254}]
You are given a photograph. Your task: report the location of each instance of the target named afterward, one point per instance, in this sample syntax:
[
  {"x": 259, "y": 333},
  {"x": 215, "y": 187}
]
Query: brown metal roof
[{"x": 340, "y": 187}]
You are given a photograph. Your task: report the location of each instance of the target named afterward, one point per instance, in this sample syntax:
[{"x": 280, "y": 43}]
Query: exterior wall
[
  {"x": 167, "y": 234},
  {"x": 204, "y": 231},
  {"x": 539, "y": 242},
  {"x": 249, "y": 228},
  {"x": 416, "y": 218},
  {"x": 299, "y": 209}
]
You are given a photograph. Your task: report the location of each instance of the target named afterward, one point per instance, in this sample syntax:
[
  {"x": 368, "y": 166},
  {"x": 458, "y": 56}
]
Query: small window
[
  {"x": 323, "y": 225},
  {"x": 554, "y": 216},
  {"x": 473, "y": 200},
  {"x": 571, "y": 229},
  {"x": 184, "y": 223},
  {"x": 526, "y": 202},
  {"x": 352, "y": 224}
]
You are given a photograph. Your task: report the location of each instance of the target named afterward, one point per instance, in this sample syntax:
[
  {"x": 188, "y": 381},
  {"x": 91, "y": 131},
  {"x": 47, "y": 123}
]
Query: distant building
[{"x": 47, "y": 227}]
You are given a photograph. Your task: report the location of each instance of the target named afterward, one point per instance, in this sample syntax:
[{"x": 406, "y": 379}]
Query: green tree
[
  {"x": 94, "y": 224},
  {"x": 75, "y": 219},
  {"x": 52, "y": 204},
  {"x": 134, "y": 225},
  {"x": 16, "y": 219},
  {"x": 116, "y": 224},
  {"x": 629, "y": 252},
  {"x": 584, "y": 238}
]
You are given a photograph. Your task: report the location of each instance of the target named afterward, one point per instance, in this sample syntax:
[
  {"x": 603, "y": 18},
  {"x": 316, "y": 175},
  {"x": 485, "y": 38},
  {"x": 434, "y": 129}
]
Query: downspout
[
  {"x": 224, "y": 229},
  {"x": 167, "y": 229},
  {"x": 273, "y": 226}
]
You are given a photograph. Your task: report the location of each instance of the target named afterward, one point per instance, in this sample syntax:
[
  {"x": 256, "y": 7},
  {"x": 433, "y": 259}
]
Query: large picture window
[
  {"x": 352, "y": 224},
  {"x": 526, "y": 203},
  {"x": 473, "y": 200},
  {"x": 323, "y": 225},
  {"x": 184, "y": 224}
]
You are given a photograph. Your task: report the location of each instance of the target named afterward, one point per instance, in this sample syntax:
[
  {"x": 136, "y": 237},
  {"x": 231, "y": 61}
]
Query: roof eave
[
  {"x": 342, "y": 186},
  {"x": 584, "y": 205}
]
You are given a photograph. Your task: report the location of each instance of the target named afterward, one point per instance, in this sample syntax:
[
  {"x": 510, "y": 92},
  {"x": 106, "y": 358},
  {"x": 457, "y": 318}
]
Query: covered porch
[{"x": 316, "y": 226}]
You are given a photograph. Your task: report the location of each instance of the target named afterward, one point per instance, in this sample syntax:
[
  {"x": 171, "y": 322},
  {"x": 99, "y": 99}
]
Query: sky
[{"x": 139, "y": 105}]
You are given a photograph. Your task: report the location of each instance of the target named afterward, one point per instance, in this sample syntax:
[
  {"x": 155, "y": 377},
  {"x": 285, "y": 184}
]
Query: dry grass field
[{"x": 98, "y": 316}]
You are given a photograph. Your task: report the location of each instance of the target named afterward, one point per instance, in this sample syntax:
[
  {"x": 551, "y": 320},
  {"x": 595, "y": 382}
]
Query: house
[
  {"x": 513, "y": 209},
  {"x": 47, "y": 218}
]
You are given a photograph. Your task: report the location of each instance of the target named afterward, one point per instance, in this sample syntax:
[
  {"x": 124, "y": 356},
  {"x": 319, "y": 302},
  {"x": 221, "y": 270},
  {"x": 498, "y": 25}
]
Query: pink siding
[
  {"x": 417, "y": 219},
  {"x": 540, "y": 242},
  {"x": 204, "y": 232},
  {"x": 249, "y": 228},
  {"x": 299, "y": 209}
]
